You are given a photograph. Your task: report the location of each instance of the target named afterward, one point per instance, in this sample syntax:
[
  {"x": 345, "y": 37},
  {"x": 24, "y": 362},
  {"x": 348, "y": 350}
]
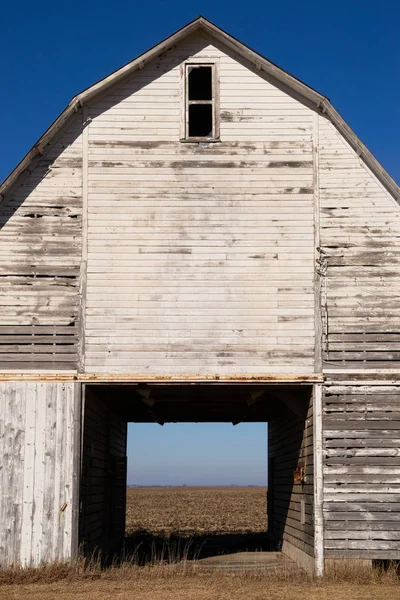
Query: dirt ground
[{"x": 212, "y": 587}]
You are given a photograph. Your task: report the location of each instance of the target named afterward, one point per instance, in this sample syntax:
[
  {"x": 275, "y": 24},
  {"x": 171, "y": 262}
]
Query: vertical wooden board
[
  {"x": 318, "y": 482},
  {"x": 60, "y": 498},
  {"x": 49, "y": 468},
  {"x": 317, "y": 242},
  {"x": 76, "y": 446},
  {"x": 83, "y": 268},
  {"x": 9, "y": 470},
  {"x": 67, "y": 397},
  {"x": 6, "y": 477},
  {"x": 2, "y": 472},
  {"x": 39, "y": 482},
  {"x": 18, "y": 452},
  {"x": 58, "y": 474},
  {"x": 30, "y": 392}
]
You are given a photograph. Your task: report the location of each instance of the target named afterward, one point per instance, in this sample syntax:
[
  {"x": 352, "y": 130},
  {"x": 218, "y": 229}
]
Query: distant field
[{"x": 191, "y": 511}]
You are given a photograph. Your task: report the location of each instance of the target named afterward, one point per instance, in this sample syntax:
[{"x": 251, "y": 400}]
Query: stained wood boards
[
  {"x": 40, "y": 252},
  {"x": 361, "y": 430},
  {"x": 39, "y": 455},
  {"x": 359, "y": 259}
]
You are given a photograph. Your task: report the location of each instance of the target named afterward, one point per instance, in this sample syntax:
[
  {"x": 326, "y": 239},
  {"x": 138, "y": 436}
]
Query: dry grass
[
  {"x": 194, "y": 511},
  {"x": 185, "y": 581}
]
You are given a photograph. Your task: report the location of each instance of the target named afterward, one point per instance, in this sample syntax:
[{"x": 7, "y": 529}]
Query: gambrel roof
[{"x": 302, "y": 91}]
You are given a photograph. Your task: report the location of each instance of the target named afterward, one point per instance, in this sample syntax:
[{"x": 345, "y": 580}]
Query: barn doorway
[
  {"x": 196, "y": 490},
  {"x": 109, "y": 408}
]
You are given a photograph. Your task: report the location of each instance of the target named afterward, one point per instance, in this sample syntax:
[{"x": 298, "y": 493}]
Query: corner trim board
[
  {"x": 317, "y": 277},
  {"x": 318, "y": 482}
]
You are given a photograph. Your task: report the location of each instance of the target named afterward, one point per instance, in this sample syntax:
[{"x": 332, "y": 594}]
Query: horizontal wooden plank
[
  {"x": 363, "y": 545},
  {"x": 365, "y": 507},
  {"x": 332, "y": 495},
  {"x": 372, "y": 537},
  {"x": 352, "y": 529},
  {"x": 362, "y": 553}
]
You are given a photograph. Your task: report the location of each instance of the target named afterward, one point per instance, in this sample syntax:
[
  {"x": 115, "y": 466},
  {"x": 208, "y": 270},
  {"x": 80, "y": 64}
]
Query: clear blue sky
[
  {"x": 197, "y": 454},
  {"x": 348, "y": 50}
]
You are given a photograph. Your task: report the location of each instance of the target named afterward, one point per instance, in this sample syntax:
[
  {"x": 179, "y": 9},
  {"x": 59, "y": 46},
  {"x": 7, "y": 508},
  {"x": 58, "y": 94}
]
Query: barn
[{"x": 200, "y": 236}]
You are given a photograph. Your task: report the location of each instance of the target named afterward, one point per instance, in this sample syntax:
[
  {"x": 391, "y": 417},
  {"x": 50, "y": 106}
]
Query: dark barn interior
[{"x": 109, "y": 408}]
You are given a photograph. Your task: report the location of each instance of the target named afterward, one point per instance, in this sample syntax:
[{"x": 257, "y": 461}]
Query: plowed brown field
[{"x": 193, "y": 511}]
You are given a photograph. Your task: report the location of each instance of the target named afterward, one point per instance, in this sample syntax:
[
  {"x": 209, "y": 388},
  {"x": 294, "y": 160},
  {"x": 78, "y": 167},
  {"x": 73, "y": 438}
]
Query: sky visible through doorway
[{"x": 197, "y": 454}]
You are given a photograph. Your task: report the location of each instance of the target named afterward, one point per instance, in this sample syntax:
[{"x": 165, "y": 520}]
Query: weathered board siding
[
  {"x": 103, "y": 478},
  {"x": 39, "y": 462},
  {"x": 200, "y": 256},
  {"x": 362, "y": 471},
  {"x": 360, "y": 264},
  {"x": 290, "y": 503},
  {"x": 40, "y": 253}
]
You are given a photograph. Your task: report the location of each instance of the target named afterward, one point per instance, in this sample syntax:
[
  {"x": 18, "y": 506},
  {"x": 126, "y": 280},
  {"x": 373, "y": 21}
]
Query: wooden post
[
  {"x": 83, "y": 267},
  {"x": 77, "y": 424},
  {"x": 317, "y": 277},
  {"x": 318, "y": 482}
]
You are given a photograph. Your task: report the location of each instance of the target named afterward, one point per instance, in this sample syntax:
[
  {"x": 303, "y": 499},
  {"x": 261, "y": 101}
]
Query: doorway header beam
[{"x": 133, "y": 378}]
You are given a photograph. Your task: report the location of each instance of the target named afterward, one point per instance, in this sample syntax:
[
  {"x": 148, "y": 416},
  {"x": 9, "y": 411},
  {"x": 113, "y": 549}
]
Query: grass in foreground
[{"x": 184, "y": 580}]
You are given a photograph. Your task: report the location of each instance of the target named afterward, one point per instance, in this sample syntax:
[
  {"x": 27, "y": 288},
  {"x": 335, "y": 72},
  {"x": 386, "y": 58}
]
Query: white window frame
[{"x": 214, "y": 137}]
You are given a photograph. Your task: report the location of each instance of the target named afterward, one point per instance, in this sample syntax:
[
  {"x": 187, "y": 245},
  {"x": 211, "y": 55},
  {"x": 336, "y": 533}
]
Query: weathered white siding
[
  {"x": 200, "y": 257},
  {"x": 360, "y": 230},
  {"x": 39, "y": 461},
  {"x": 362, "y": 471},
  {"x": 40, "y": 254}
]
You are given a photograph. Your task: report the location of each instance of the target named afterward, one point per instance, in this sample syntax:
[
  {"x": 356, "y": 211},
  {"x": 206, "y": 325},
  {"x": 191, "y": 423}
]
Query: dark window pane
[
  {"x": 200, "y": 83},
  {"x": 200, "y": 120}
]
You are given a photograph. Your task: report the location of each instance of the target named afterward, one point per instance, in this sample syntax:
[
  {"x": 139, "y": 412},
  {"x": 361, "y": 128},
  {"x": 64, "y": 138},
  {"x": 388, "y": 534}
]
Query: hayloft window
[{"x": 200, "y": 102}]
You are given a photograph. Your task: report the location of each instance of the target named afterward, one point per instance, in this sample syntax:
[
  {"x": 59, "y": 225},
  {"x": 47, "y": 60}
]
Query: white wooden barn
[{"x": 200, "y": 237}]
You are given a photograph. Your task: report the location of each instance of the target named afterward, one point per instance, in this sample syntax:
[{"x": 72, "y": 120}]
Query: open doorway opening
[
  {"x": 109, "y": 408},
  {"x": 197, "y": 487}
]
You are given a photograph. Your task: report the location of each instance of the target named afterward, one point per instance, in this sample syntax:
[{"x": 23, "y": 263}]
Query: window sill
[{"x": 200, "y": 141}]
